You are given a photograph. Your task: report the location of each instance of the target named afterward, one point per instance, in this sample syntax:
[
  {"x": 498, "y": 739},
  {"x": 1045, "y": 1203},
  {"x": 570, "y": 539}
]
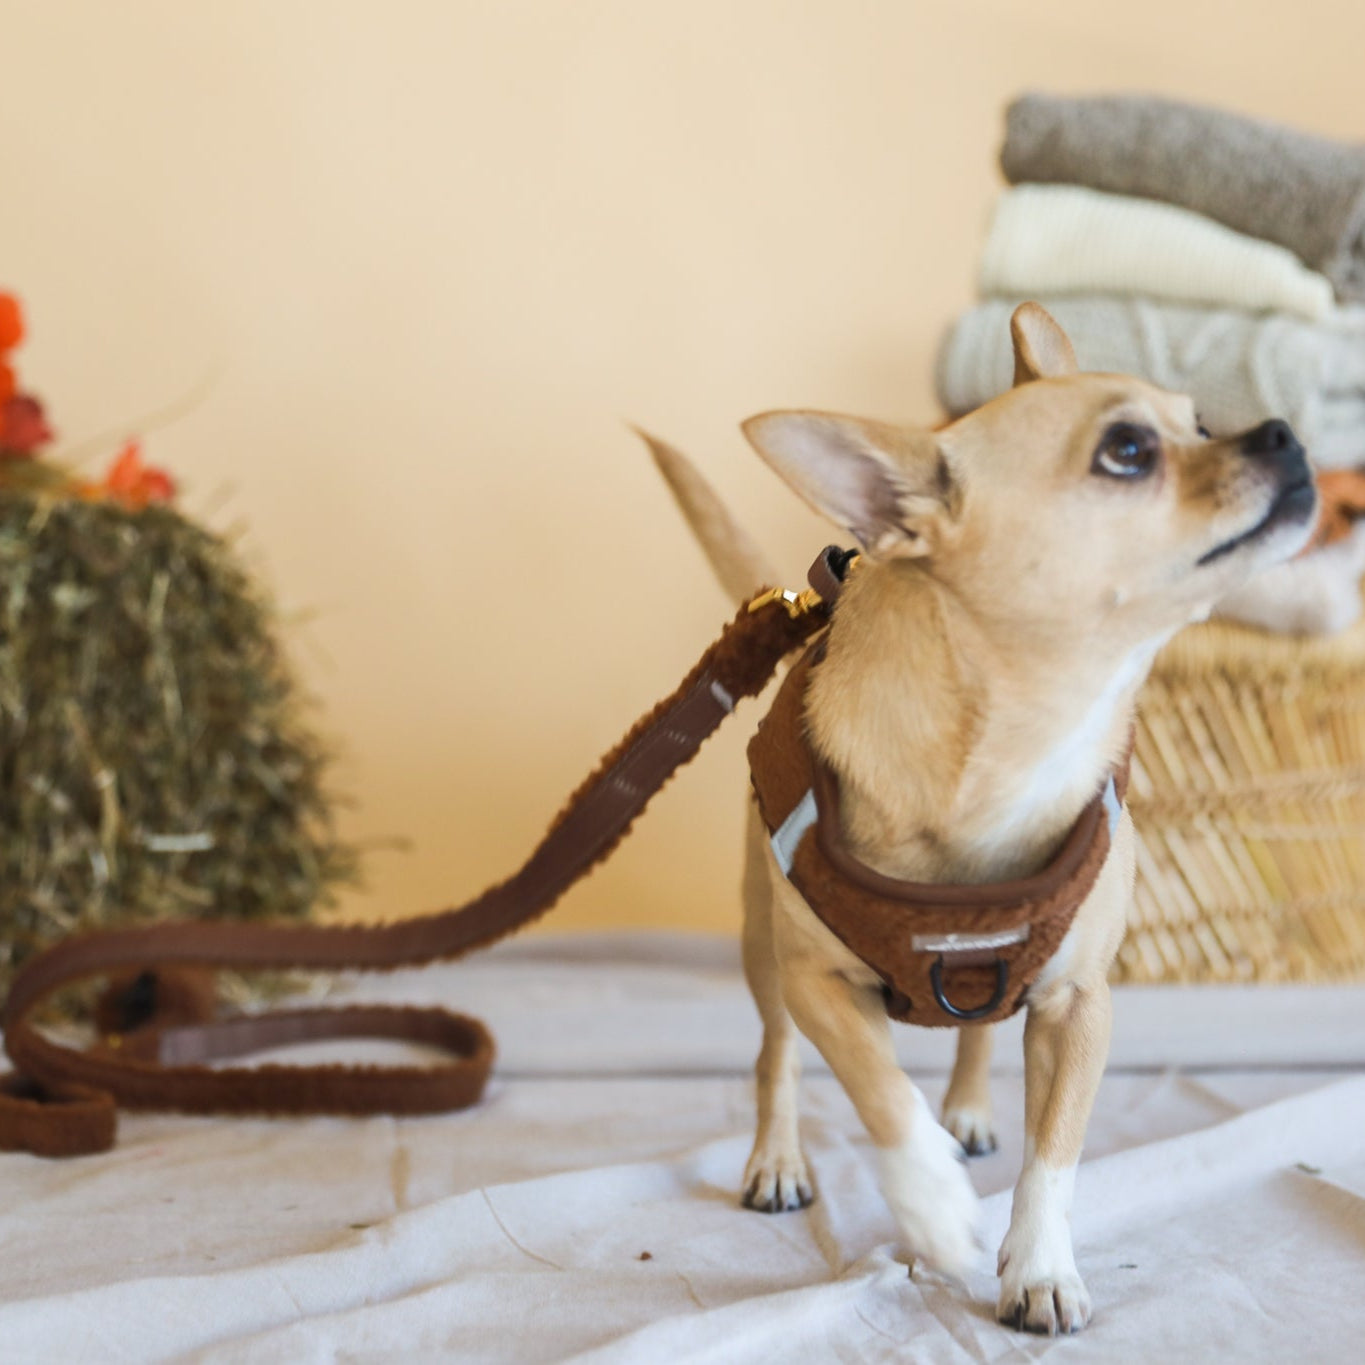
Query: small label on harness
[{"x": 969, "y": 943}]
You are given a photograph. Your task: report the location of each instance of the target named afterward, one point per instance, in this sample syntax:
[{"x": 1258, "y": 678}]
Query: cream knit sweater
[{"x": 1064, "y": 239}]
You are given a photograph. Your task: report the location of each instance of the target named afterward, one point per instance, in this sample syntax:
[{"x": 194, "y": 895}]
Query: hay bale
[{"x": 155, "y": 756}]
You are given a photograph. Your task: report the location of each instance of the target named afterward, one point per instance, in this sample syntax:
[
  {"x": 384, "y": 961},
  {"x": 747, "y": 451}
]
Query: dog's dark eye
[
  {"x": 1127, "y": 451},
  {"x": 1203, "y": 431}
]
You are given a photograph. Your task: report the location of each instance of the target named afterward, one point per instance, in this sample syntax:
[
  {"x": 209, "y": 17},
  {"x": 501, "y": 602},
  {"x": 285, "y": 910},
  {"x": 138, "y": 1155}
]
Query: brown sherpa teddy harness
[
  {"x": 159, "y": 1020},
  {"x": 945, "y": 953}
]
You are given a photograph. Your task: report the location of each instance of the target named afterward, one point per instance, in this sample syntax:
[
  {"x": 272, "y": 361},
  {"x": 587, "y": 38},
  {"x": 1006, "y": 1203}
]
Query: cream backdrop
[{"x": 417, "y": 262}]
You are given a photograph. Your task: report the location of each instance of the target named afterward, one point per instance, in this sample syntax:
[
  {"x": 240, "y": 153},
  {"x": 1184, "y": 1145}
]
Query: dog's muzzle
[{"x": 1274, "y": 446}]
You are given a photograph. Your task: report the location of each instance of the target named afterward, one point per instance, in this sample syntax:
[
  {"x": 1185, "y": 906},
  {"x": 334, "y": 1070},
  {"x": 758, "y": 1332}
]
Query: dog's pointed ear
[
  {"x": 891, "y": 487},
  {"x": 1041, "y": 349}
]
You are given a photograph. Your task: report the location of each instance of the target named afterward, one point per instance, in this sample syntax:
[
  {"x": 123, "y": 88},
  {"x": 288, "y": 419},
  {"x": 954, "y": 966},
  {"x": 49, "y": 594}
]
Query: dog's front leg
[
  {"x": 1066, "y": 1044},
  {"x": 1066, "y": 1041},
  {"x": 920, "y": 1164}
]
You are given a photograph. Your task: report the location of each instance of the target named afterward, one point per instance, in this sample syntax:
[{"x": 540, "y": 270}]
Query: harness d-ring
[{"x": 1002, "y": 977}]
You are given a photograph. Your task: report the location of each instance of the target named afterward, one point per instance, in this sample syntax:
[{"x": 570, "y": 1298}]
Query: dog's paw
[
  {"x": 776, "y": 1182},
  {"x": 972, "y": 1128},
  {"x": 1040, "y": 1290},
  {"x": 1048, "y": 1307},
  {"x": 926, "y": 1183}
]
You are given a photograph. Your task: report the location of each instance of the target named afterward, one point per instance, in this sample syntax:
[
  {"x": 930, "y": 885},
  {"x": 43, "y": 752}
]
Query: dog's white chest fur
[{"x": 1071, "y": 766}]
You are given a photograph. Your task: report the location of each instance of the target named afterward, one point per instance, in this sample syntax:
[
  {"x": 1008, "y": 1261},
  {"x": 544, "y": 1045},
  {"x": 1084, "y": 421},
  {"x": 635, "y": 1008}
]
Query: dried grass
[{"x": 156, "y": 759}]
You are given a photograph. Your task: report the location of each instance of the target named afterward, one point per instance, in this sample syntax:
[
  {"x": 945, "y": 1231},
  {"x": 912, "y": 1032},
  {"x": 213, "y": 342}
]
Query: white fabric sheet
[{"x": 1220, "y": 1209}]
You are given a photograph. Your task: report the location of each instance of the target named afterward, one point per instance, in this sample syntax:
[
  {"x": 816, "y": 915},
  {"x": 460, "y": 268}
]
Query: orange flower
[
  {"x": 23, "y": 427},
  {"x": 136, "y": 484},
  {"x": 11, "y": 322},
  {"x": 1341, "y": 503}
]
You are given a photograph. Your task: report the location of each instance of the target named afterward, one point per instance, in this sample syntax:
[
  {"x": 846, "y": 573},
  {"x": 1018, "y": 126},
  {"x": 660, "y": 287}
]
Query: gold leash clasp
[{"x": 797, "y": 603}]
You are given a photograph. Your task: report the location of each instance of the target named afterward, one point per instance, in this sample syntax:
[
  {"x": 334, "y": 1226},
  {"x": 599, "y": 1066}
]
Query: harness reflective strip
[
  {"x": 969, "y": 943},
  {"x": 788, "y": 834},
  {"x": 1113, "y": 808}
]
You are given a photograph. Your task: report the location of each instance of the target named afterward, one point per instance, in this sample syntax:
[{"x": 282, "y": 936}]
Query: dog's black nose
[
  {"x": 1274, "y": 444},
  {"x": 1271, "y": 438}
]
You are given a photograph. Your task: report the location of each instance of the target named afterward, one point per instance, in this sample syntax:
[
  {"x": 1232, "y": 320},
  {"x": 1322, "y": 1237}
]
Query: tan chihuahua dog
[{"x": 1021, "y": 569}]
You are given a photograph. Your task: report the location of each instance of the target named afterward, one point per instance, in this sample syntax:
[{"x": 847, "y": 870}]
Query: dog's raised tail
[{"x": 731, "y": 551}]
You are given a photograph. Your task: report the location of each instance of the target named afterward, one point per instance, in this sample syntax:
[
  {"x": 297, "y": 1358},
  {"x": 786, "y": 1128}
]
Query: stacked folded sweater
[{"x": 1212, "y": 254}]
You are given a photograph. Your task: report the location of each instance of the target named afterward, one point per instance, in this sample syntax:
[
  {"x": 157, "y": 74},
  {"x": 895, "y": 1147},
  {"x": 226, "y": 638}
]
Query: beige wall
[{"x": 431, "y": 254}]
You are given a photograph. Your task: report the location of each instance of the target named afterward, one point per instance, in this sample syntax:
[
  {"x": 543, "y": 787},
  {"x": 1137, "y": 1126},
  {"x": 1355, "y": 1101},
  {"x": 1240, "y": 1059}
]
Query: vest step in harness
[{"x": 946, "y": 954}]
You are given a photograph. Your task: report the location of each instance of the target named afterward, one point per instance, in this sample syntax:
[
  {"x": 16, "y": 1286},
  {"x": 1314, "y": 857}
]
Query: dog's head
[{"x": 1073, "y": 500}]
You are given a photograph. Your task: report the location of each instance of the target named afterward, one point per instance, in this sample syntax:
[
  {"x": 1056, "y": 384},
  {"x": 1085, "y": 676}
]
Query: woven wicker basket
[{"x": 1248, "y": 794}]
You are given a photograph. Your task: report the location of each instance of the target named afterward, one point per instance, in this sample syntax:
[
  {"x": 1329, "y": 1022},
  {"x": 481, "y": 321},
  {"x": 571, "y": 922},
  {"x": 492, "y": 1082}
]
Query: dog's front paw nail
[
  {"x": 972, "y": 1128},
  {"x": 776, "y": 1184},
  {"x": 1046, "y": 1307}
]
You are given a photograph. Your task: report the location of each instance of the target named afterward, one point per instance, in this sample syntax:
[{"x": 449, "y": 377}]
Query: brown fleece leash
[{"x": 62, "y": 1101}]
